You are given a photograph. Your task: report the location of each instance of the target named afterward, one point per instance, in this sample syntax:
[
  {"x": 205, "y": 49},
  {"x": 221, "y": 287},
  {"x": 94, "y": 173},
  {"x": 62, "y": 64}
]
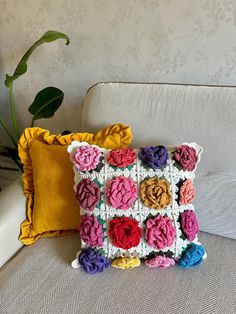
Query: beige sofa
[{"x": 39, "y": 279}]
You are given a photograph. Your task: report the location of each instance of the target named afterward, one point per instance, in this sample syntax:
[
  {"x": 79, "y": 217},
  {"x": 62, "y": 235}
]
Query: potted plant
[{"x": 45, "y": 104}]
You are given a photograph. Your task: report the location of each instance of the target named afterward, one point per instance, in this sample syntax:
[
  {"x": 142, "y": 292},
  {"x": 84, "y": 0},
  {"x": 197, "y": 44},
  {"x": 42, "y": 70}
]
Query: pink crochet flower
[
  {"x": 86, "y": 157},
  {"x": 91, "y": 231},
  {"x": 160, "y": 261},
  {"x": 189, "y": 224},
  {"x": 87, "y": 194},
  {"x": 121, "y": 157},
  {"x": 160, "y": 232},
  {"x": 187, "y": 192},
  {"x": 121, "y": 192},
  {"x": 186, "y": 156}
]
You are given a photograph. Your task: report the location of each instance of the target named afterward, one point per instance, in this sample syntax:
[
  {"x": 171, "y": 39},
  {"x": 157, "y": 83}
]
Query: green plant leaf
[
  {"x": 9, "y": 152},
  {"x": 21, "y": 68},
  {"x": 65, "y": 132},
  {"x": 5, "y": 128},
  {"x": 46, "y": 102}
]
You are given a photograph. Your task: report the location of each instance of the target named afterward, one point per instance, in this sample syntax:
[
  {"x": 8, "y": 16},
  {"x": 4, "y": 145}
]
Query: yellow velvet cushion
[{"x": 52, "y": 209}]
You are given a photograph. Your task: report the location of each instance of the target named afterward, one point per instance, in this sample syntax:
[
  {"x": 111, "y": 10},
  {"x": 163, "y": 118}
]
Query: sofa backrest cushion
[{"x": 169, "y": 114}]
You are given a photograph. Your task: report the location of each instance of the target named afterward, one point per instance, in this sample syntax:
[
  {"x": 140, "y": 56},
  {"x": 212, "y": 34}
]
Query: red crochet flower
[
  {"x": 121, "y": 157},
  {"x": 125, "y": 232}
]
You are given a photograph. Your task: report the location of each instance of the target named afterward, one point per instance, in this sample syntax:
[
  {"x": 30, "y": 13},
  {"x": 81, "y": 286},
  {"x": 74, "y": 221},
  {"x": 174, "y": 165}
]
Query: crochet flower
[
  {"x": 192, "y": 256},
  {"x": 122, "y": 157},
  {"x": 160, "y": 232},
  {"x": 121, "y": 192},
  {"x": 155, "y": 193},
  {"x": 91, "y": 231},
  {"x": 86, "y": 157},
  {"x": 92, "y": 262},
  {"x": 154, "y": 157},
  {"x": 186, "y": 156},
  {"x": 160, "y": 261},
  {"x": 87, "y": 194},
  {"x": 189, "y": 224},
  {"x": 126, "y": 262},
  {"x": 125, "y": 232},
  {"x": 187, "y": 192}
]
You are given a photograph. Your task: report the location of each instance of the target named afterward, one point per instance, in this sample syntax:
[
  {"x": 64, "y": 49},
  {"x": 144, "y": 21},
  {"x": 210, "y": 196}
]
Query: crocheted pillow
[{"x": 136, "y": 204}]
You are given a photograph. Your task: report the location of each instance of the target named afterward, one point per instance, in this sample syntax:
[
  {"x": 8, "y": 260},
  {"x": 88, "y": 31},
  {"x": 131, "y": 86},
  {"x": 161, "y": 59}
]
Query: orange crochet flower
[
  {"x": 186, "y": 193},
  {"x": 155, "y": 193}
]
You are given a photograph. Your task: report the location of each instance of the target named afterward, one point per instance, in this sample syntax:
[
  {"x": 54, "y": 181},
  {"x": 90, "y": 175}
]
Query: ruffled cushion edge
[{"x": 114, "y": 136}]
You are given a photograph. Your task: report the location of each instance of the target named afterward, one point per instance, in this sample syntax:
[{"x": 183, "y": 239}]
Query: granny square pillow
[{"x": 136, "y": 205}]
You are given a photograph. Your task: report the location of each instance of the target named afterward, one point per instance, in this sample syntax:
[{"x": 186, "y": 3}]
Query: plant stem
[
  {"x": 18, "y": 164},
  {"x": 32, "y": 122},
  {"x": 13, "y": 114},
  {"x": 8, "y": 133},
  {"x": 10, "y": 153}
]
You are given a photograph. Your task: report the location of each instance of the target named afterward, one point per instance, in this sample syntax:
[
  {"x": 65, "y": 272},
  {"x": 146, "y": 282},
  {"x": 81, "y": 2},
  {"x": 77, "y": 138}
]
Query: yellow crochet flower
[
  {"x": 155, "y": 193},
  {"x": 126, "y": 262}
]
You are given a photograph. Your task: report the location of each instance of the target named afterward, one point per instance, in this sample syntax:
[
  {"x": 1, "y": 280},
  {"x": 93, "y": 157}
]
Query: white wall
[{"x": 184, "y": 41}]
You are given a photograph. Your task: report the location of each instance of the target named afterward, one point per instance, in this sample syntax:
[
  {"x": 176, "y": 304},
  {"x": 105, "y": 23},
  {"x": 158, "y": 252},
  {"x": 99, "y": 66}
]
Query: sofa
[{"x": 39, "y": 279}]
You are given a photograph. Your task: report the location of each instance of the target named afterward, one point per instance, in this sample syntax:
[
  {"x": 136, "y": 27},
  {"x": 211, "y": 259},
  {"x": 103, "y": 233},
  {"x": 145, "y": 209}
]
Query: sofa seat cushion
[{"x": 40, "y": 280}]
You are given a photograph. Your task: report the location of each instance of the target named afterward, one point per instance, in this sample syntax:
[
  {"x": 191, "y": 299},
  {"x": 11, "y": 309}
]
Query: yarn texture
[
  {"x": 125, "y": 232},
  {"x": 92, "y": 262},
  {"x": 189, "y": 224},
  {"x": 154, "y": 157},
  {"x": 121, "y": 192},
  {"x": 86, "y": 158},
  {"x": 160, "y": 262},
  {"x": 122, "y": 157},
  {"x": 192, "y": 256},
  {"x": 187, "y": 192},
  {"x": 126, "y": 262},
  {"x": 136, "y": 205},
  {"x": 160, "y": 232},
  {"x": 155, "y": 193},
  {"x": 186, "y": 156},
  {"x": 87, "y": 194},
  {"x": 91, "y": 231}
]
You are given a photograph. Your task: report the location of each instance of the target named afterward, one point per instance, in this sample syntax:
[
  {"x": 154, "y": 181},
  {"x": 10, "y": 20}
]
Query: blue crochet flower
[
  {"x": 192, "y": 256},
  {"x": 92, "y": 262}
]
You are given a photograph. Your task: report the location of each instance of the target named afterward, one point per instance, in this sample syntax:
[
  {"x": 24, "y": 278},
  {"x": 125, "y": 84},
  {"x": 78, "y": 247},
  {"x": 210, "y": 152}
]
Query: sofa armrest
[{"x": 12, "y": 213}]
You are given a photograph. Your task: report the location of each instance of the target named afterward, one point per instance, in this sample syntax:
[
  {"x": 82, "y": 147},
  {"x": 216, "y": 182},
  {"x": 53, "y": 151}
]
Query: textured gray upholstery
[
  {"x": 40, "y": 280},
  {"x": 171, "y": 114}
]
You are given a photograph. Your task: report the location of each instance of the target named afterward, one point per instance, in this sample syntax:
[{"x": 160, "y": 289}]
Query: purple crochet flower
[
  {"x": 154, "y": 157},
  {"x": 92, "y": 262}
]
